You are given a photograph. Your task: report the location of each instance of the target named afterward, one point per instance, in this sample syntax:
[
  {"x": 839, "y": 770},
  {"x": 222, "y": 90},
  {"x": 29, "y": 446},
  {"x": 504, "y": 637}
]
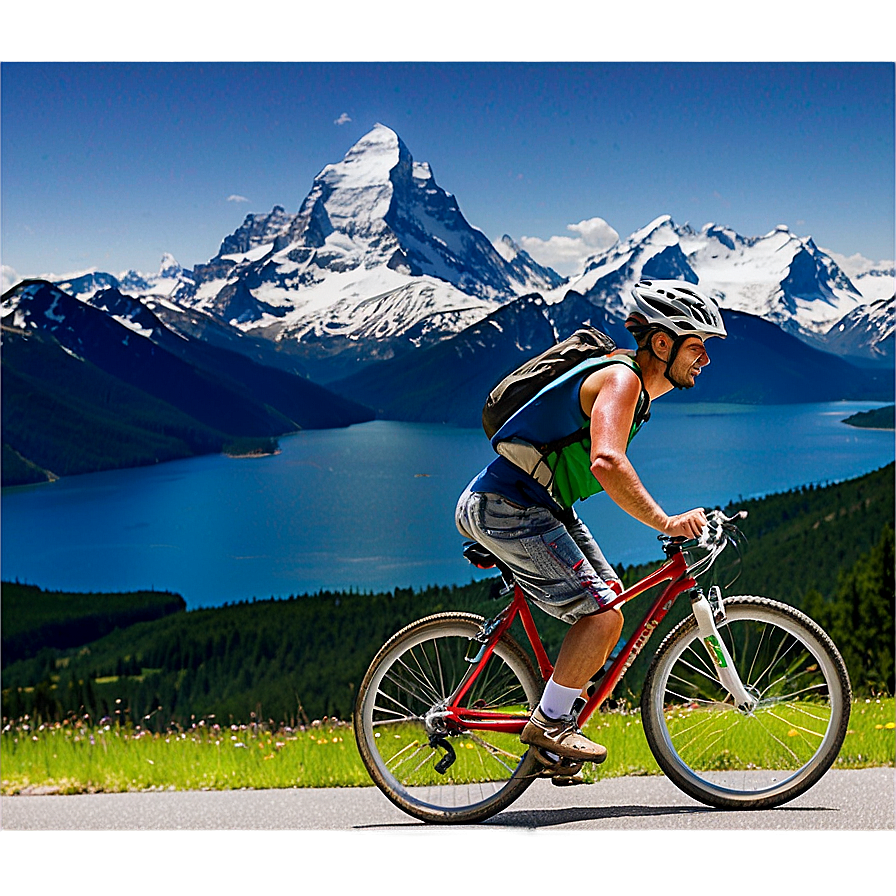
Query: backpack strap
[{"x": 642, "y": 411}]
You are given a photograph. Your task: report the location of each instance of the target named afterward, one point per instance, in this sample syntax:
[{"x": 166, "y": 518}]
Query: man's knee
[
  {"x": 606, "y": 621},
  {"x": 614, "y": 618}
]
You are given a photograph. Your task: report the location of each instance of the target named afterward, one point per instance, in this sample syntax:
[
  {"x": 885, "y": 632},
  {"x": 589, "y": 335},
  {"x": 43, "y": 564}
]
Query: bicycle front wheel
[
  {"x": 428, "y": 769},
  {"x": 734, "y": 760}
]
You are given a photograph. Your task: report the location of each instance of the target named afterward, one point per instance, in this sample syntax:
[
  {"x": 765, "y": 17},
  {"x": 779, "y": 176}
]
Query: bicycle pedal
[
  {"x": 564, "y": 768},
  {"x": 567, "y": 780}
]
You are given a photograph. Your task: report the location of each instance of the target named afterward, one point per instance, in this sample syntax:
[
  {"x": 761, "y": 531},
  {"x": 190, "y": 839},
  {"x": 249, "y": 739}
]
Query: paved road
[
  {"x": 857, "y": 800},
  {"x": 622, "y": 836}
]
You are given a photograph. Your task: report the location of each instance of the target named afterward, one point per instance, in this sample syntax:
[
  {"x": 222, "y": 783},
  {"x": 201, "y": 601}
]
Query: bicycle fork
[{"x": 707, "y": 612}]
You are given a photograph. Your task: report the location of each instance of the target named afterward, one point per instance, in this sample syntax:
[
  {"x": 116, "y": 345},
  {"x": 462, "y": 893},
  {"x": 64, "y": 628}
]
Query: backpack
[{"x": 530, "y": 378}]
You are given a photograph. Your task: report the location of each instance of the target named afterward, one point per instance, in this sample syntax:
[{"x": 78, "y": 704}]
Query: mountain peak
[
  {"x": 169, "y": 266},
  {"x": 368, "y": 161},
  {"x": 657, "y": 224}
]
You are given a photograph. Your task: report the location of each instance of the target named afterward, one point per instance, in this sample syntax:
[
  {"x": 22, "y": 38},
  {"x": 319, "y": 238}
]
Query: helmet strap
[{"x": 676, "y": 346}]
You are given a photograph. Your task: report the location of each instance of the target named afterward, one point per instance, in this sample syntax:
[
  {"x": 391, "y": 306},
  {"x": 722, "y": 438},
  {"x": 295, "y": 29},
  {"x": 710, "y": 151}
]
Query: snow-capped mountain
[
  {"x": 873, "y": 279},
  {"x": 169, "y": 278},
  {"x": 651, "y": 252},
  {"x": 876, "y": 283},
  {"x": 378, "y": 250},
  {"x": 780, "y": 277},
  {"x": 867, "y": 333},
  {"x": 379, "y": 260},
  {"x": 221, "y": 388},
  {"x": 533, "y": 275}
]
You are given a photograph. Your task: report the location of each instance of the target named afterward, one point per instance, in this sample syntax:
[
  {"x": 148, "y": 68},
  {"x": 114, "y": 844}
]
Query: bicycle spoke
[
  {"x": 406, "y": 709},
  {"x": 719, "y": 736},
  {"x": 792, "y": 727},
  {"x": 428, "y": 695},
  {"x": 774, "y": 659}
]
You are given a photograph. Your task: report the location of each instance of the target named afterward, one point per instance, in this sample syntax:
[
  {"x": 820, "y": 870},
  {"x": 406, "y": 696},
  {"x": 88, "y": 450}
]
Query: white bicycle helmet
[{"x": 679, "y": 307}]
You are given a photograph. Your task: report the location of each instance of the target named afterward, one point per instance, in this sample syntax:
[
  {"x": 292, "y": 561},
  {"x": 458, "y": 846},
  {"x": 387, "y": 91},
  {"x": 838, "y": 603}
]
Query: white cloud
[
  {"x": 235, "y": 197},
  {"x": 873, "y": 279},
  {"x": 567, "y": 254},
  {"x": 343, "y": 119},
  {"x": 854, "y": 265},
  {"x": 8, "y": 278}
]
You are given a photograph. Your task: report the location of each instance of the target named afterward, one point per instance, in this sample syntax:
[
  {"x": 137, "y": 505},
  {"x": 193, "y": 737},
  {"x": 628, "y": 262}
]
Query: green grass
[{"x": 82, "y": 756}]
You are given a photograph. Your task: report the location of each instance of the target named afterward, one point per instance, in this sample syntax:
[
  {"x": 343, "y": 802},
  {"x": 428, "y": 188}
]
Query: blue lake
[{"x": 371, "y": 507}]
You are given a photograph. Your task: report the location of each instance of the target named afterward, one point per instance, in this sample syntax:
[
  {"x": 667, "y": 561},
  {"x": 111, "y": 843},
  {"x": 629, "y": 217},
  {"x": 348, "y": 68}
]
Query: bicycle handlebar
[
  {"x": 719, "y": 530},
  {"x": 714, "y": 518}
]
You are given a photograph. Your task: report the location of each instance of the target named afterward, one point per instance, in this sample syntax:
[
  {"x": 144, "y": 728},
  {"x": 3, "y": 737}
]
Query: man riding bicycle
[{"x": 530, "y": 525}]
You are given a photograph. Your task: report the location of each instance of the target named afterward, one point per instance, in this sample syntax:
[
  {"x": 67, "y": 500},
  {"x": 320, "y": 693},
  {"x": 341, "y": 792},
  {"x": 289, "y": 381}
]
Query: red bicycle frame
[{"x": 472, "y": 719}]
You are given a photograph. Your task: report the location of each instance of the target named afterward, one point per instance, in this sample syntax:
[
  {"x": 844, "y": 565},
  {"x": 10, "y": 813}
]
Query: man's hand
[{"x": 689, "y": 524}]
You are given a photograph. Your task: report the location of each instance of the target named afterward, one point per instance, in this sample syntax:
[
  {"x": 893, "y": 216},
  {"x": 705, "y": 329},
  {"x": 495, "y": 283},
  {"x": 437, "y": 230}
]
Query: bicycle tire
[
  {"x": 732, "y": 760},
  {"x": 416, "y": 669}
]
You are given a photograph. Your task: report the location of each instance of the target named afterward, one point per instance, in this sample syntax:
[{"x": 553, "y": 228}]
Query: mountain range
[
  {"x": 105, "y": 383},
  {"x": 379, "y": 289}
]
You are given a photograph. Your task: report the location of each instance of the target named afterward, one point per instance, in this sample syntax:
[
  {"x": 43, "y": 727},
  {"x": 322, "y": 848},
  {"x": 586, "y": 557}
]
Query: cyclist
[{"x": 530, "y": 524}]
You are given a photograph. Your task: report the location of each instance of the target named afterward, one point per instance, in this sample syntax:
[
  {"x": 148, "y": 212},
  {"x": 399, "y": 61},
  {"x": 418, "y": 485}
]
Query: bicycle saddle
[
  {"x": 482, "y": 558},
  {"x": 479, "y": 556}
]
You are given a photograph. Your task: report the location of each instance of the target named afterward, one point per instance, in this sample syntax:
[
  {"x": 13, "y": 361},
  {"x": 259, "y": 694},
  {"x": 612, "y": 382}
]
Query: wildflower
[
  {"x": 792, "y": 733},
  {"x": 890, "y": 725}
]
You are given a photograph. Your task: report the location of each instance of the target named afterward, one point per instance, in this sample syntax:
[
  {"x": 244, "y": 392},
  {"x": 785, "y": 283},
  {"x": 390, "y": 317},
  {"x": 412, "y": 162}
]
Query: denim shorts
[{"x": 559, "y": 567}]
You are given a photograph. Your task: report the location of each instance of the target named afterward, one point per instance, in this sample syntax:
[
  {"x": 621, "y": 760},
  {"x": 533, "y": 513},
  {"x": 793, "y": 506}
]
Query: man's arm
[{"x": 615, "y": 392}]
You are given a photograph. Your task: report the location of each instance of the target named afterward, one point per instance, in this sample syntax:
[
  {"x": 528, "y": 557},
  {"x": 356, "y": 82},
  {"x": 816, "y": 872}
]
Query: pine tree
[{"x": 860, "y": 619}]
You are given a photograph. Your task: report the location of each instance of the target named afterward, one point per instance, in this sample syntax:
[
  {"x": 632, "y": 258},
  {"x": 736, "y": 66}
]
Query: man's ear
[{"x": 662, "y": 345}]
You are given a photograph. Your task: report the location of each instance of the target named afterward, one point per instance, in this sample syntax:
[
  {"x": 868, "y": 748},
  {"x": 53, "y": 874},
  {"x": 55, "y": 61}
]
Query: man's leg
[
  {"x": 586, "y": 647},
  {"x": 551, "y": 567}
]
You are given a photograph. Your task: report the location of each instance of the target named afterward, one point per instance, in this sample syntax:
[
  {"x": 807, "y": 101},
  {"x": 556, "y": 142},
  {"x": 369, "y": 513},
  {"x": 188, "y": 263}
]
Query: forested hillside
[
  {"x": 878, "y": 418},
  {"x": 823, "y": 549},
  {"x": 32, "y": 620}
]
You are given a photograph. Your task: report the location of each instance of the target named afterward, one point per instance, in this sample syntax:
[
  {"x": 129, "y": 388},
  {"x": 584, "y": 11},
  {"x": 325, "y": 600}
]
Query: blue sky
[{"x": 110, "y": 165}]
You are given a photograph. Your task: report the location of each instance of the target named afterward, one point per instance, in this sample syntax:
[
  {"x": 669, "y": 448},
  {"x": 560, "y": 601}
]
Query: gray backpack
[{"x": 530, "y": 378}]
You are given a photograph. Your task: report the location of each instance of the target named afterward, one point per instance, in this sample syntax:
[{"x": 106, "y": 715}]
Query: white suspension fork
[{"x": 715, "y": 647}]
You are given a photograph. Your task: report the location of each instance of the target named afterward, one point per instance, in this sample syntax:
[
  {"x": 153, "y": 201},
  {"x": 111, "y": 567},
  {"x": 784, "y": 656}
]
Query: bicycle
[{"x": 745, "y": 704}]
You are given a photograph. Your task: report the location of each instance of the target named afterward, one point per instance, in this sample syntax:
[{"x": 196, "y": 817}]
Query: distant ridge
[{"x": 87, "y": 388}]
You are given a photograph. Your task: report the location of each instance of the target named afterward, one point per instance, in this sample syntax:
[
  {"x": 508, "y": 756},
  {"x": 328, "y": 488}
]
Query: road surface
[{"x": 637, "y": 835}]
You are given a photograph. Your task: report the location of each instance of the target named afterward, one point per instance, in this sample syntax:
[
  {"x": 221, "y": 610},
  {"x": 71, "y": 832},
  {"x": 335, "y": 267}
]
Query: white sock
[{"x": 557, "y": 700}]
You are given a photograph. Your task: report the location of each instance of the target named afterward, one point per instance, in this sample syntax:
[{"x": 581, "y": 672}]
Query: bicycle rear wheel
[
  {"x": 732, "y": 760},
  {"x": 429, "y": 770}
]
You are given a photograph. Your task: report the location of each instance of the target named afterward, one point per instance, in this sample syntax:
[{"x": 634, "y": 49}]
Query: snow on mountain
[
  {"x": 379, "y": 259},
  {"x": 377, "y": 247},
  {"x": 82, "y": 285},
  {"x": 653, "y": 251},
  {"x": 874, "y": 279},
  {"x": 41, "y": 305},
  {"x": 780, "y": 277},
  {"x": 867, "y": 333},
  {"x": 128, "y": 311},
  {"x": 529, "y": 272}
]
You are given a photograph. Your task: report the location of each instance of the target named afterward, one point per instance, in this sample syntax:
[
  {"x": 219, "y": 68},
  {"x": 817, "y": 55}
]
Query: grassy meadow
[{"x": 79, "y": 755}]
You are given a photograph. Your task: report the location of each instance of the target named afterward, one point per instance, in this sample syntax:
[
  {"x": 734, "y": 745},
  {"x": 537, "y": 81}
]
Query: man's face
[{"x": 688, "y": 363}]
